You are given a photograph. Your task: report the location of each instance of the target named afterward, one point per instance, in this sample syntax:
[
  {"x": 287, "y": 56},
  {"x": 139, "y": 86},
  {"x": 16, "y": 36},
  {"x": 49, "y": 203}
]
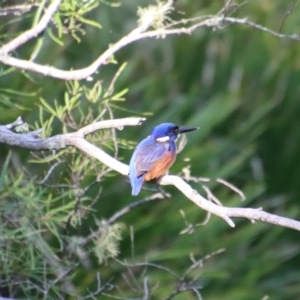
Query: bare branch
[
  {"x": 99, "y": 289},
  {"x": 16, "y": 10},
  {"x": 133, "y": 205},
  {"x": 200, "y": 262},
  {"x": 227, "y": 212},
  {"x": 288, "y": 13},
  {"x": 16, "y": 123},
  {"x": 69, "y": 75},
  {"x": 211, "y": 196},
  {"x": 245, "y": 21},
  {"x": 194, "y": 196},
  {"x": 182, "y": 288},
  {"x": 77, "y": 139},
  {"x": 33, "y": 32},
  {"x": 50, "y": 171},
  {"x": 231, "y": 186},
  {"x": 31, "y": 141},
  {"x": 147, "y": 264},
  {"x": 139, "y": 33},
  {"x": 117, "y": 123}
]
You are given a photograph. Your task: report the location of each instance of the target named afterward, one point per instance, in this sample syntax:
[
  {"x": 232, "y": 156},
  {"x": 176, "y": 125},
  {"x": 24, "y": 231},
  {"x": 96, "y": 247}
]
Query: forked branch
[
  {"x": 31, "y": 141},
  {"x": 142, "y": 31}
]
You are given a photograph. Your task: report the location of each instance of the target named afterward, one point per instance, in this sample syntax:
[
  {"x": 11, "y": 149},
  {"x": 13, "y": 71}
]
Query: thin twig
[
  {"x": 33, "y": 32},
  {"x": 147, "y": 264},
  {"x": 133, "y": 205},
  {"x": 233, "y": 187},
  {"x": 50, "y": 172},
  {"x": 121, "y": 213},
  {"x": 16, "y": 10},
  {"x": 288, "y": 13}
]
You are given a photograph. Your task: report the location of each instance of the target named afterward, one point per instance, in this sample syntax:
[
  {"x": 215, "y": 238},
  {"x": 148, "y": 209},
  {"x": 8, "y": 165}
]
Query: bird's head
[{"x": 169, "y": 132}]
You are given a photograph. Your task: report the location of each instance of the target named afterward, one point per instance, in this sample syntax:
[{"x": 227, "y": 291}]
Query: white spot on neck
[{"x": 163, "y": 139}]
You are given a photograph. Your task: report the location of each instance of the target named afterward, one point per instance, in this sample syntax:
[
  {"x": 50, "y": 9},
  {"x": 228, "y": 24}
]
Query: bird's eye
[{"x": 175, "y": 129}]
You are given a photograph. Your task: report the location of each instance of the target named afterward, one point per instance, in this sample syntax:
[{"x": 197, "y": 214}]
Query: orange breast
[{"x": 160, "y": 167}]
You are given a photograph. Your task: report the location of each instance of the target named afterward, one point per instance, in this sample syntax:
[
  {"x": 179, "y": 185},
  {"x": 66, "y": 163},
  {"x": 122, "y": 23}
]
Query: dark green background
[{"x": 241, "y": 86}]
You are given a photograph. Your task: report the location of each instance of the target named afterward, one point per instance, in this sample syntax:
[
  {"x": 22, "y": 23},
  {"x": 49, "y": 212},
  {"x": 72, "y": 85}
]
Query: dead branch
[
  {"x": 216, "y": 21},
  {"x": 33, "y": 32},
  {"x": 77, "y": 139}
]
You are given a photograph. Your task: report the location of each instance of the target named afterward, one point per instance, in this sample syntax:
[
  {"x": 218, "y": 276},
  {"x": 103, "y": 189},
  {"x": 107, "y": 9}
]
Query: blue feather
[{"x": 152, "y": 150}]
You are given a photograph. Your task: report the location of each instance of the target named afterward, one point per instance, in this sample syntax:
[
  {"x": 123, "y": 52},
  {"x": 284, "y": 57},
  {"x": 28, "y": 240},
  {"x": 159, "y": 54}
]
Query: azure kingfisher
[{"x": 154, "y": 155}]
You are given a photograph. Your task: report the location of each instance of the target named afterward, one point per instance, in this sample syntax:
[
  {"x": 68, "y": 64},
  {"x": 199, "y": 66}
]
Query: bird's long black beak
[{"x": 187, "y": 129}]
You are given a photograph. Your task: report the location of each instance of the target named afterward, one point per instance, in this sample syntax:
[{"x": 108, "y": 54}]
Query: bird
[{"x": 154, "y": 155}]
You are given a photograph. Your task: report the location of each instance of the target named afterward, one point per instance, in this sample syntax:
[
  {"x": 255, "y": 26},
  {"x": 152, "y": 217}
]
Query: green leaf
[
  {"x": 19, "y": 93},
  {"x": 48, "y": 107},
  {"x": 90, "y": 22},
  {"x": 38, "y": 13},
  {"x": 119, "y": 96},
  {"x": 37, "y": 48},
  {"x": 54, "y": 38},
  {"x": 47, "y": 159},
  {"x": 59, "y": 25},
  {"x": 4, "y": 171}
]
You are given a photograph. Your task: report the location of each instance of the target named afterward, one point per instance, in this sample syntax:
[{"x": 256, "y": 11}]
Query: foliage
[
  {"x": 38, "y": 241},
  {"x": 238, "y": 84}
]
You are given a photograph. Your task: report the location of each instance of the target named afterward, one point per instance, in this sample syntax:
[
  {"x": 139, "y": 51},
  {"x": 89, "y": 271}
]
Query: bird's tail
[{"x": 137, "y": 185}]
